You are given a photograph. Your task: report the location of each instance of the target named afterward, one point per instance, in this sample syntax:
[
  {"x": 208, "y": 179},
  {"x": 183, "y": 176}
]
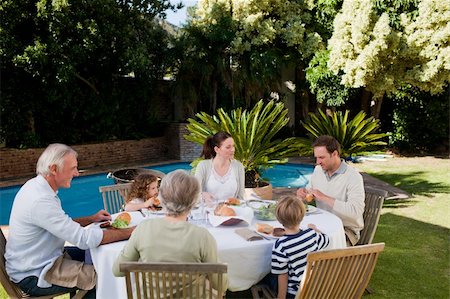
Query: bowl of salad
[{"x": 263, "y": 210}]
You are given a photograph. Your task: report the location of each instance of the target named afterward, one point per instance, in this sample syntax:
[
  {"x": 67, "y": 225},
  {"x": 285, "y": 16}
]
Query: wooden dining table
[{"x": 248, "y": 261}]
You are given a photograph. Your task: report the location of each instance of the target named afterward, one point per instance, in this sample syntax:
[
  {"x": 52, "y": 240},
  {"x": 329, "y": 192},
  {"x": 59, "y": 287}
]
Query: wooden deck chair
[
  {"x": 373, "y": 203},
  {"x": 337, "y": 273},
  {"x": 114, "y": 197},
  {"x": 12, "y": 290},
  {"x": 173, "y": 280}
]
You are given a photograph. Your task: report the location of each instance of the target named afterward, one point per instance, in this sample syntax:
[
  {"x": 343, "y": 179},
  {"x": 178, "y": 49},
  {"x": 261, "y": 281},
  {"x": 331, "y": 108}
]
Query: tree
[
  {"x": 66, "y": 63},
  {"x": 264, "y": 37},
  {"x": 385, "y": 45}
]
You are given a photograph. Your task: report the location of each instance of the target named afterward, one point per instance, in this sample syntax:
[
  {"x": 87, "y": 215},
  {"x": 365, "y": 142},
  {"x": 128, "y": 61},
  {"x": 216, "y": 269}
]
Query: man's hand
[
  {"x": 301, "y": 193},
  {"x": 100, "y": 216},
  {"x": 319, "y": 196}
]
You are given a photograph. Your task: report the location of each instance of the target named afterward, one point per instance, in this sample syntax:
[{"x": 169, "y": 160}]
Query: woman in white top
[{"x": 220, "y": 176}]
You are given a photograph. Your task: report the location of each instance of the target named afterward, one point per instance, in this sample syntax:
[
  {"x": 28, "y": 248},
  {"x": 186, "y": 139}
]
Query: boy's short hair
[{"x": 290, "y": 211}]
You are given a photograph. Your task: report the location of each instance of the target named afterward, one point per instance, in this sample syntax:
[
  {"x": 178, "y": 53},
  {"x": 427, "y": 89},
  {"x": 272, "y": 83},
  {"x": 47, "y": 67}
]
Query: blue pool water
[{"x": 83, "y": 197}]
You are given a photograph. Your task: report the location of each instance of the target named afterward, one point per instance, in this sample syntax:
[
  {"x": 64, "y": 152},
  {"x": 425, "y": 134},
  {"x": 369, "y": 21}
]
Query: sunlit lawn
[{"x": 415, "y": 262}]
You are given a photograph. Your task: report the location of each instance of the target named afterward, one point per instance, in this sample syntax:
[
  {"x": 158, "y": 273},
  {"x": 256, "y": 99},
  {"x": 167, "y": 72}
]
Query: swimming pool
[{"x": 83, "y": 197}]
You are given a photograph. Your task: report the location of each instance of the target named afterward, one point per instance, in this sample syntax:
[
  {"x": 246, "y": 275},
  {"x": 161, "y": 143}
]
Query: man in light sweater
[{"x": 336, "y": 187}]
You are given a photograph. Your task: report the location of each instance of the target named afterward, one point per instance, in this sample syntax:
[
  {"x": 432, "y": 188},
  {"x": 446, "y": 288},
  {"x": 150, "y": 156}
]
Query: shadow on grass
[
  {"x": 413, "y": 182},
  {"x": 399, "y": 203},
  {"x": 414, "y": 263}
]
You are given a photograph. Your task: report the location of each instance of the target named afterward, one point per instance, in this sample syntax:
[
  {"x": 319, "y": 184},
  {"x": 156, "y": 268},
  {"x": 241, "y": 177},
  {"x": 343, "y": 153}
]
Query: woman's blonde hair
[
  {"x": 179, "y": 192},
  {"x": 139, "y": 188},
  {"x": 290, "y": 211}
]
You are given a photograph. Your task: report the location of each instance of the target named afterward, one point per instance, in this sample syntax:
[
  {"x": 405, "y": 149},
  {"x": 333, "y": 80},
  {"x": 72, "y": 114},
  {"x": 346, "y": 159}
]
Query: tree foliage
[
  {"x": 384, "y": 45},
  {"x": 66, "y": 65},
  {"x": 262, "y": 37},
  {"x": 420, "y": 122},
  {"x": 324, "y": 83}
]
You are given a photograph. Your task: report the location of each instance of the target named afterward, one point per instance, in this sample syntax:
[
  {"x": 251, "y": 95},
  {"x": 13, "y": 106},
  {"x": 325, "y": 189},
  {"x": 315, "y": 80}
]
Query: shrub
[{"x": 355, "y": 135}]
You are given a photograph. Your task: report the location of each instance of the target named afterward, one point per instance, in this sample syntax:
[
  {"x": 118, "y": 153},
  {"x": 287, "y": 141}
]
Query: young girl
[
  {"x": 143, "y": 193},
  {"x": 289, "y": 251}
]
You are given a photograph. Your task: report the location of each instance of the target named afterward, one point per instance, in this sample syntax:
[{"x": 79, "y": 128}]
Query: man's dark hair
[{"x": 329, "y": 142}]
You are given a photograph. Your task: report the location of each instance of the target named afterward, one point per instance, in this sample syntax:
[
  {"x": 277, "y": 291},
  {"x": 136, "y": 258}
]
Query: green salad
[
  {"x": 266, "y": 212},
  {"x": 119, "y": 223}
]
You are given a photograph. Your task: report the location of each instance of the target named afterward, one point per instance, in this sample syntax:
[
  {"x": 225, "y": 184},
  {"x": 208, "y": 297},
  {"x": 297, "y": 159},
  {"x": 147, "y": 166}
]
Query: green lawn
[{"x": 416, "y": 261}]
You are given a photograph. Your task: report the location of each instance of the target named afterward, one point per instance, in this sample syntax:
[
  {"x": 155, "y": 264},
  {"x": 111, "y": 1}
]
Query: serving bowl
[{"x": 263, "y": 210}]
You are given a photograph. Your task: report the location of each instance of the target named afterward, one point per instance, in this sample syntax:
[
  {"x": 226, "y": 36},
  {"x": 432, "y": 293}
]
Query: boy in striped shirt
[{"x": 289, "y": 251}]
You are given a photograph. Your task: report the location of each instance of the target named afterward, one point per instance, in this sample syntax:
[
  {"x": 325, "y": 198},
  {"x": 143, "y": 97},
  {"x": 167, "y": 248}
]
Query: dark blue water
[{"x": 83, "y": 197}]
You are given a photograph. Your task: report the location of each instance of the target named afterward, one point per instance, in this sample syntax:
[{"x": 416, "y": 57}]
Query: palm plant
[
  {"x": 253, "y": 133},
  {"x": 354, "y": 136}
]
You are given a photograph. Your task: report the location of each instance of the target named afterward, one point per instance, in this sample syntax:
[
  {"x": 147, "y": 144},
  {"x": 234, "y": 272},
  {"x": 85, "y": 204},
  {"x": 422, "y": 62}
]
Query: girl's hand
[{"x": 148, "y": 203}]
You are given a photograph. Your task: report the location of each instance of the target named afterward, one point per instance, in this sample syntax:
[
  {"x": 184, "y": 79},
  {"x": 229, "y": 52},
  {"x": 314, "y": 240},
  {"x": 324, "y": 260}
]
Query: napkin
[{"x": 248, "y": 234}]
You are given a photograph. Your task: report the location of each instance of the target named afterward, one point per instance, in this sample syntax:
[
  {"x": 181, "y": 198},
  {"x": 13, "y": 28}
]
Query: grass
[{"x": 416, "y": 260}]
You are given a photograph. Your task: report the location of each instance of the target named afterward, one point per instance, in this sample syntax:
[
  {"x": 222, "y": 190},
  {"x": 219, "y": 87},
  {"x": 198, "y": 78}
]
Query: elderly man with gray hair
[
  {"x": 172, "y": 238},
  {"x": 36, "y": 258}
]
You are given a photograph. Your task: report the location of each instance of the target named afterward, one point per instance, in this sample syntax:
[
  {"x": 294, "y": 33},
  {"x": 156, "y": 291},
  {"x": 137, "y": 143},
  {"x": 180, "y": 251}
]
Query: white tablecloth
[{"x": 248, "y": 261}]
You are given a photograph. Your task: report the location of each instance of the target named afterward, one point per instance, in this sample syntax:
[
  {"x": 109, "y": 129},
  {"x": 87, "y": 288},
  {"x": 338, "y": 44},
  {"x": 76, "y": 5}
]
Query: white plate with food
[
  {"x": 225, "y": 214},
  {"x": 120, "y": 221},
  {"x": 268, "y": 231},
  {"x": 311, "y": 209}
]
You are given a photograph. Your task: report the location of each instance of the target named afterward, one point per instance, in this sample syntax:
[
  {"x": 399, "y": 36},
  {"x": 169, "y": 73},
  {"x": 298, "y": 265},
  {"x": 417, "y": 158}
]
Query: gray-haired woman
[{"x": 172, "y": 238}]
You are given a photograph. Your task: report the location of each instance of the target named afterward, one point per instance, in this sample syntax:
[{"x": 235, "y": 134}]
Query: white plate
[
  {"x": 268, "y": 236},
  {"x": 242, "y": 214},
  {"x": 310, "y": 209}
]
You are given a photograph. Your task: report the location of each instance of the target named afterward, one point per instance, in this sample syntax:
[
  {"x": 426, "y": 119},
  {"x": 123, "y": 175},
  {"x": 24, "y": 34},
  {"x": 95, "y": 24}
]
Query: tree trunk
[
  {"x": 366, "y": 96},
  {"x": 302, "y": 99},
  {"x": 214, "y": 94},
  {"x": 377, "y": 108}
]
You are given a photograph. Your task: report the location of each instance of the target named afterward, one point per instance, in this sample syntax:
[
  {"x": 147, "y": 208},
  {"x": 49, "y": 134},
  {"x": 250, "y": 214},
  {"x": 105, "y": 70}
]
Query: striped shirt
[{"x": 289, "y": 254}]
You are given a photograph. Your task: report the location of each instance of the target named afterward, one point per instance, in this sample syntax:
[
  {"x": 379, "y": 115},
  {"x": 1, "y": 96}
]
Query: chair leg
[{"x": 369, "y": 290}]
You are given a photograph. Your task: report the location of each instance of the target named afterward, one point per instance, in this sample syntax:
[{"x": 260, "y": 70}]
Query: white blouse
[{"x": 222, "y": 187}]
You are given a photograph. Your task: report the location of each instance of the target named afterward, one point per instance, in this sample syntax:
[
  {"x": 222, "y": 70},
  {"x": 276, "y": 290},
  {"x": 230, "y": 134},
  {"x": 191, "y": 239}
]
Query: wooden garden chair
[
  {"x": 114, "y": 197},
  {"x": 12, "y": 290},
  {"x": 373, "y": 203},
  {"x": 337, "y": 273},
  {"x": 173, "y": 280}
]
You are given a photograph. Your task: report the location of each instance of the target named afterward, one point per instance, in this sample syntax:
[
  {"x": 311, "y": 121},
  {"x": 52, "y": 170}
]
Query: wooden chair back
[
  {"x": 173, "y": 280},
  {"x": 373, "y": 203},
  {"x": 339, "y": 273},
  {"x": 114, "y": 197},
  {"x": 12, "y": 290}
]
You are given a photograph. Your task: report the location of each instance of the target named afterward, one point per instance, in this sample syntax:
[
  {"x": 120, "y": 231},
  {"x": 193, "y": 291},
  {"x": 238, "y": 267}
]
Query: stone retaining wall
[{"x": 17, "y": 163}]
